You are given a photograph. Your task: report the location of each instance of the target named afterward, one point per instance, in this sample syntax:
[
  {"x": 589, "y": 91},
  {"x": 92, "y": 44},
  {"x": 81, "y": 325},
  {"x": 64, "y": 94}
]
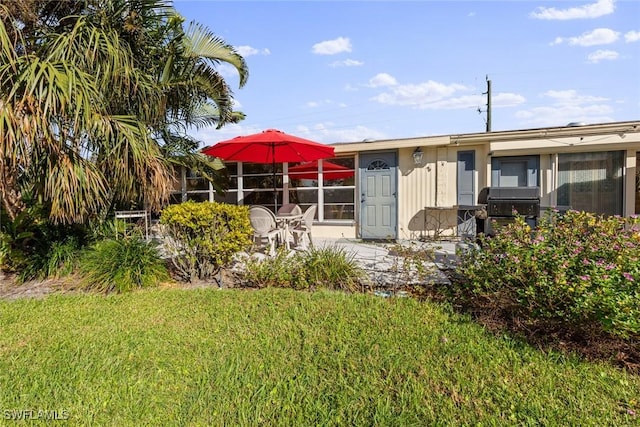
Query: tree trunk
[{"x": 10, "y": 194}]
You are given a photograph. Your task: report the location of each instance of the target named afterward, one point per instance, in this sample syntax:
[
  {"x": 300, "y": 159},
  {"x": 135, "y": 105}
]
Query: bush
[
  {"x": 284, "y": 270},
  {"x": 203, "y": 237},
  {"x": 122, "y": 265},
  {"x": 326, "y": 268},
  {"x": 17, "y": 240},
  {"x": 58, "y": 259},
  {"x": 578, "y": 269},
  {"x": 333, "y": 268},
  {"x": 35, "y": 248}
]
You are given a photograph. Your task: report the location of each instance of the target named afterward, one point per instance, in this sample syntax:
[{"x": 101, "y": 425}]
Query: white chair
[
  {"x": 303, "y": 228},
  {"x": 290, "y": 209},
  {"x": 265, "y": 228}
]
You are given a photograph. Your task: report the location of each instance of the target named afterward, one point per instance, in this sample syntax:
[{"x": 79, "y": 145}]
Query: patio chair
[
  {"x": 303, "y": 228},
  {"x": 265, "y": 228},
  {"x": 289, "y": 209}
]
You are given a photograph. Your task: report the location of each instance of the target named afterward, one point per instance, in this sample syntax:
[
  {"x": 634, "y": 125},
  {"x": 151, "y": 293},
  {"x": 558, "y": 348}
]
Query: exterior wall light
[{"x": 417, "y": 156}]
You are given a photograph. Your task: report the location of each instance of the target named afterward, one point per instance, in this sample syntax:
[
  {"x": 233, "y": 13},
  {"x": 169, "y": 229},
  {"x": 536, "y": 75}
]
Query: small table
[{"x": 284, "y": 220}]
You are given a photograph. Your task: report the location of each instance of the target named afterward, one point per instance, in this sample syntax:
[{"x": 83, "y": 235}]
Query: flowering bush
[{"x": 577, "y": 268}]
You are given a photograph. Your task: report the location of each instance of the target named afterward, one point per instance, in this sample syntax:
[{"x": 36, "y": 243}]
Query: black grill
[{"x": 503, "y": 203}]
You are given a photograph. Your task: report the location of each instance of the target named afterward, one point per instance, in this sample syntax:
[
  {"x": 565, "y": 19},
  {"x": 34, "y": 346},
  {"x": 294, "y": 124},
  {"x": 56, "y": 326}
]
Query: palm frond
[{"x": 202, "y": 43}]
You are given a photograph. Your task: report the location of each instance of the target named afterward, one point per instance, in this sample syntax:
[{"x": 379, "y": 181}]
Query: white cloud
[
  {"x": 570, "y": 96},
  {"x": 468, "y": 101},
  {"x": 599, "y": 36},
  {"x": 382, "y": 79},
  {"x": 593, "y": 10},
  {"x": 315, "y": 104},
  {"x": 346, "y": 63},
  {"x": 250, "y": 51},
  {"x": 210, "y": 135},
  {"x": 567, "y": 106},
  {"x": 507, "y": 100},
  {"x": 227, "y": 71},
  {"x": 602, "y": 55},
  {"x": 331, "y": 47},
  {"x": 418, "y": 95},
  {"x": 558, "y": 40},
  {"x": 632, "y": 36},
  {"x": 326, "y": 133}
]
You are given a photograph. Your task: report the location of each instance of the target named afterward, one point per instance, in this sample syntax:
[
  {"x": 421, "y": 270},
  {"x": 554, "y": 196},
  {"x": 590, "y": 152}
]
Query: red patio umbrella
[
  {"x": 329, "y": 171},
  {"x": 269, "y": 146}
]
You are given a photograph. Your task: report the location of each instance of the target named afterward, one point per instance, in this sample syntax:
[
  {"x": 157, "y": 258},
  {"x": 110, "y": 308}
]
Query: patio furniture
[
  {"x": 303, "y": 228},
  {"x": 265, "y": 228},
  {"x": 141, "y": 218},
  {"x": 289, "y": 209},
  {"x": 288, "y": 216}
]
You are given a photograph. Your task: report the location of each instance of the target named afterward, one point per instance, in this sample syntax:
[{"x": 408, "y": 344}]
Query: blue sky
[{"x": 345, "y": 71}]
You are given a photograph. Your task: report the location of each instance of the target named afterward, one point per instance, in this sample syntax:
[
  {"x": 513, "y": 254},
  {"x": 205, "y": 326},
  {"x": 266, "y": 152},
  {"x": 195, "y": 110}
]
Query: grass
[{"x": 280, "y": 357}]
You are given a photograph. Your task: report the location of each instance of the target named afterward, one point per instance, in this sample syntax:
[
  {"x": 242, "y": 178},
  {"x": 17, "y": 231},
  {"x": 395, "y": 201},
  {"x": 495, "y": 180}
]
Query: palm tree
[{"x": 89, "y": 111}]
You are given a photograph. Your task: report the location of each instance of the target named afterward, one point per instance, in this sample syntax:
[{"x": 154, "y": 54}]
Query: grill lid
[{"x": 513, "y": 193}]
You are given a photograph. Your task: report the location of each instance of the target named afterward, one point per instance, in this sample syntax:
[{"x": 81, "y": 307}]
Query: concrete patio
[{"x": 387, "y": 269}]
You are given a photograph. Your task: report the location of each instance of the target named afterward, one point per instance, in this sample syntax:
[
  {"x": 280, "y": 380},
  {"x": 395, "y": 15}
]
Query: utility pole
[
  {"x": 488, "y": 110},
  {"x": 488, "y": 93}
]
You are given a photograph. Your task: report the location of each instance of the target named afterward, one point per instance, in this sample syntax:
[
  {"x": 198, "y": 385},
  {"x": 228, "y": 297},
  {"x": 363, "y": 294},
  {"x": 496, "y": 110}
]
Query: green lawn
[{"x": 277, "y": 357}]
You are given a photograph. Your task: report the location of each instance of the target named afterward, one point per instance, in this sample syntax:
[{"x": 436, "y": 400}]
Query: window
[
  {"x": 378, "y": 165},
  {"x": 196, "y": 183},
  {"x": 338, "y": 203},
  {"x": 231, "y": 195},
  {"x": 517, "y": 171},
  {"x": 591, "y": 182},
  {"x": 339, "y": 192},
  {"x": 189, "y": 185},
  {"x": 258, "y": 184},
  {"x": 252, "y": 184},
  {"x": 337, "y": 188}
]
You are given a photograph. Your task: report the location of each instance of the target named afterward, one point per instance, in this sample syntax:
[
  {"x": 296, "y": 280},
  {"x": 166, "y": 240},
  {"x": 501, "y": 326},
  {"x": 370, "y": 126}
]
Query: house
[{"x": 426, "y": 186}]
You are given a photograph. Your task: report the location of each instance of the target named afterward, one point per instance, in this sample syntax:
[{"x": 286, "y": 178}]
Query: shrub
[
  {"x": 326, "y": 268},
  {"x": 17, "y": 239},
  {"x": 578, "y": 269},
  {"x": 284, "y": 270},
  {"x": 58, "y": 259},
  {"x": 333, "y": 268},
  {"x": 203, "y": 237},
  {"x": 33, "y": 247},
  {"x": 122, "y": 265}
]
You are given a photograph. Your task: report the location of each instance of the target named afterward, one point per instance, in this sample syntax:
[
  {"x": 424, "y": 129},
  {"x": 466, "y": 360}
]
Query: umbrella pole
[{"x": 275, "y": 185}]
